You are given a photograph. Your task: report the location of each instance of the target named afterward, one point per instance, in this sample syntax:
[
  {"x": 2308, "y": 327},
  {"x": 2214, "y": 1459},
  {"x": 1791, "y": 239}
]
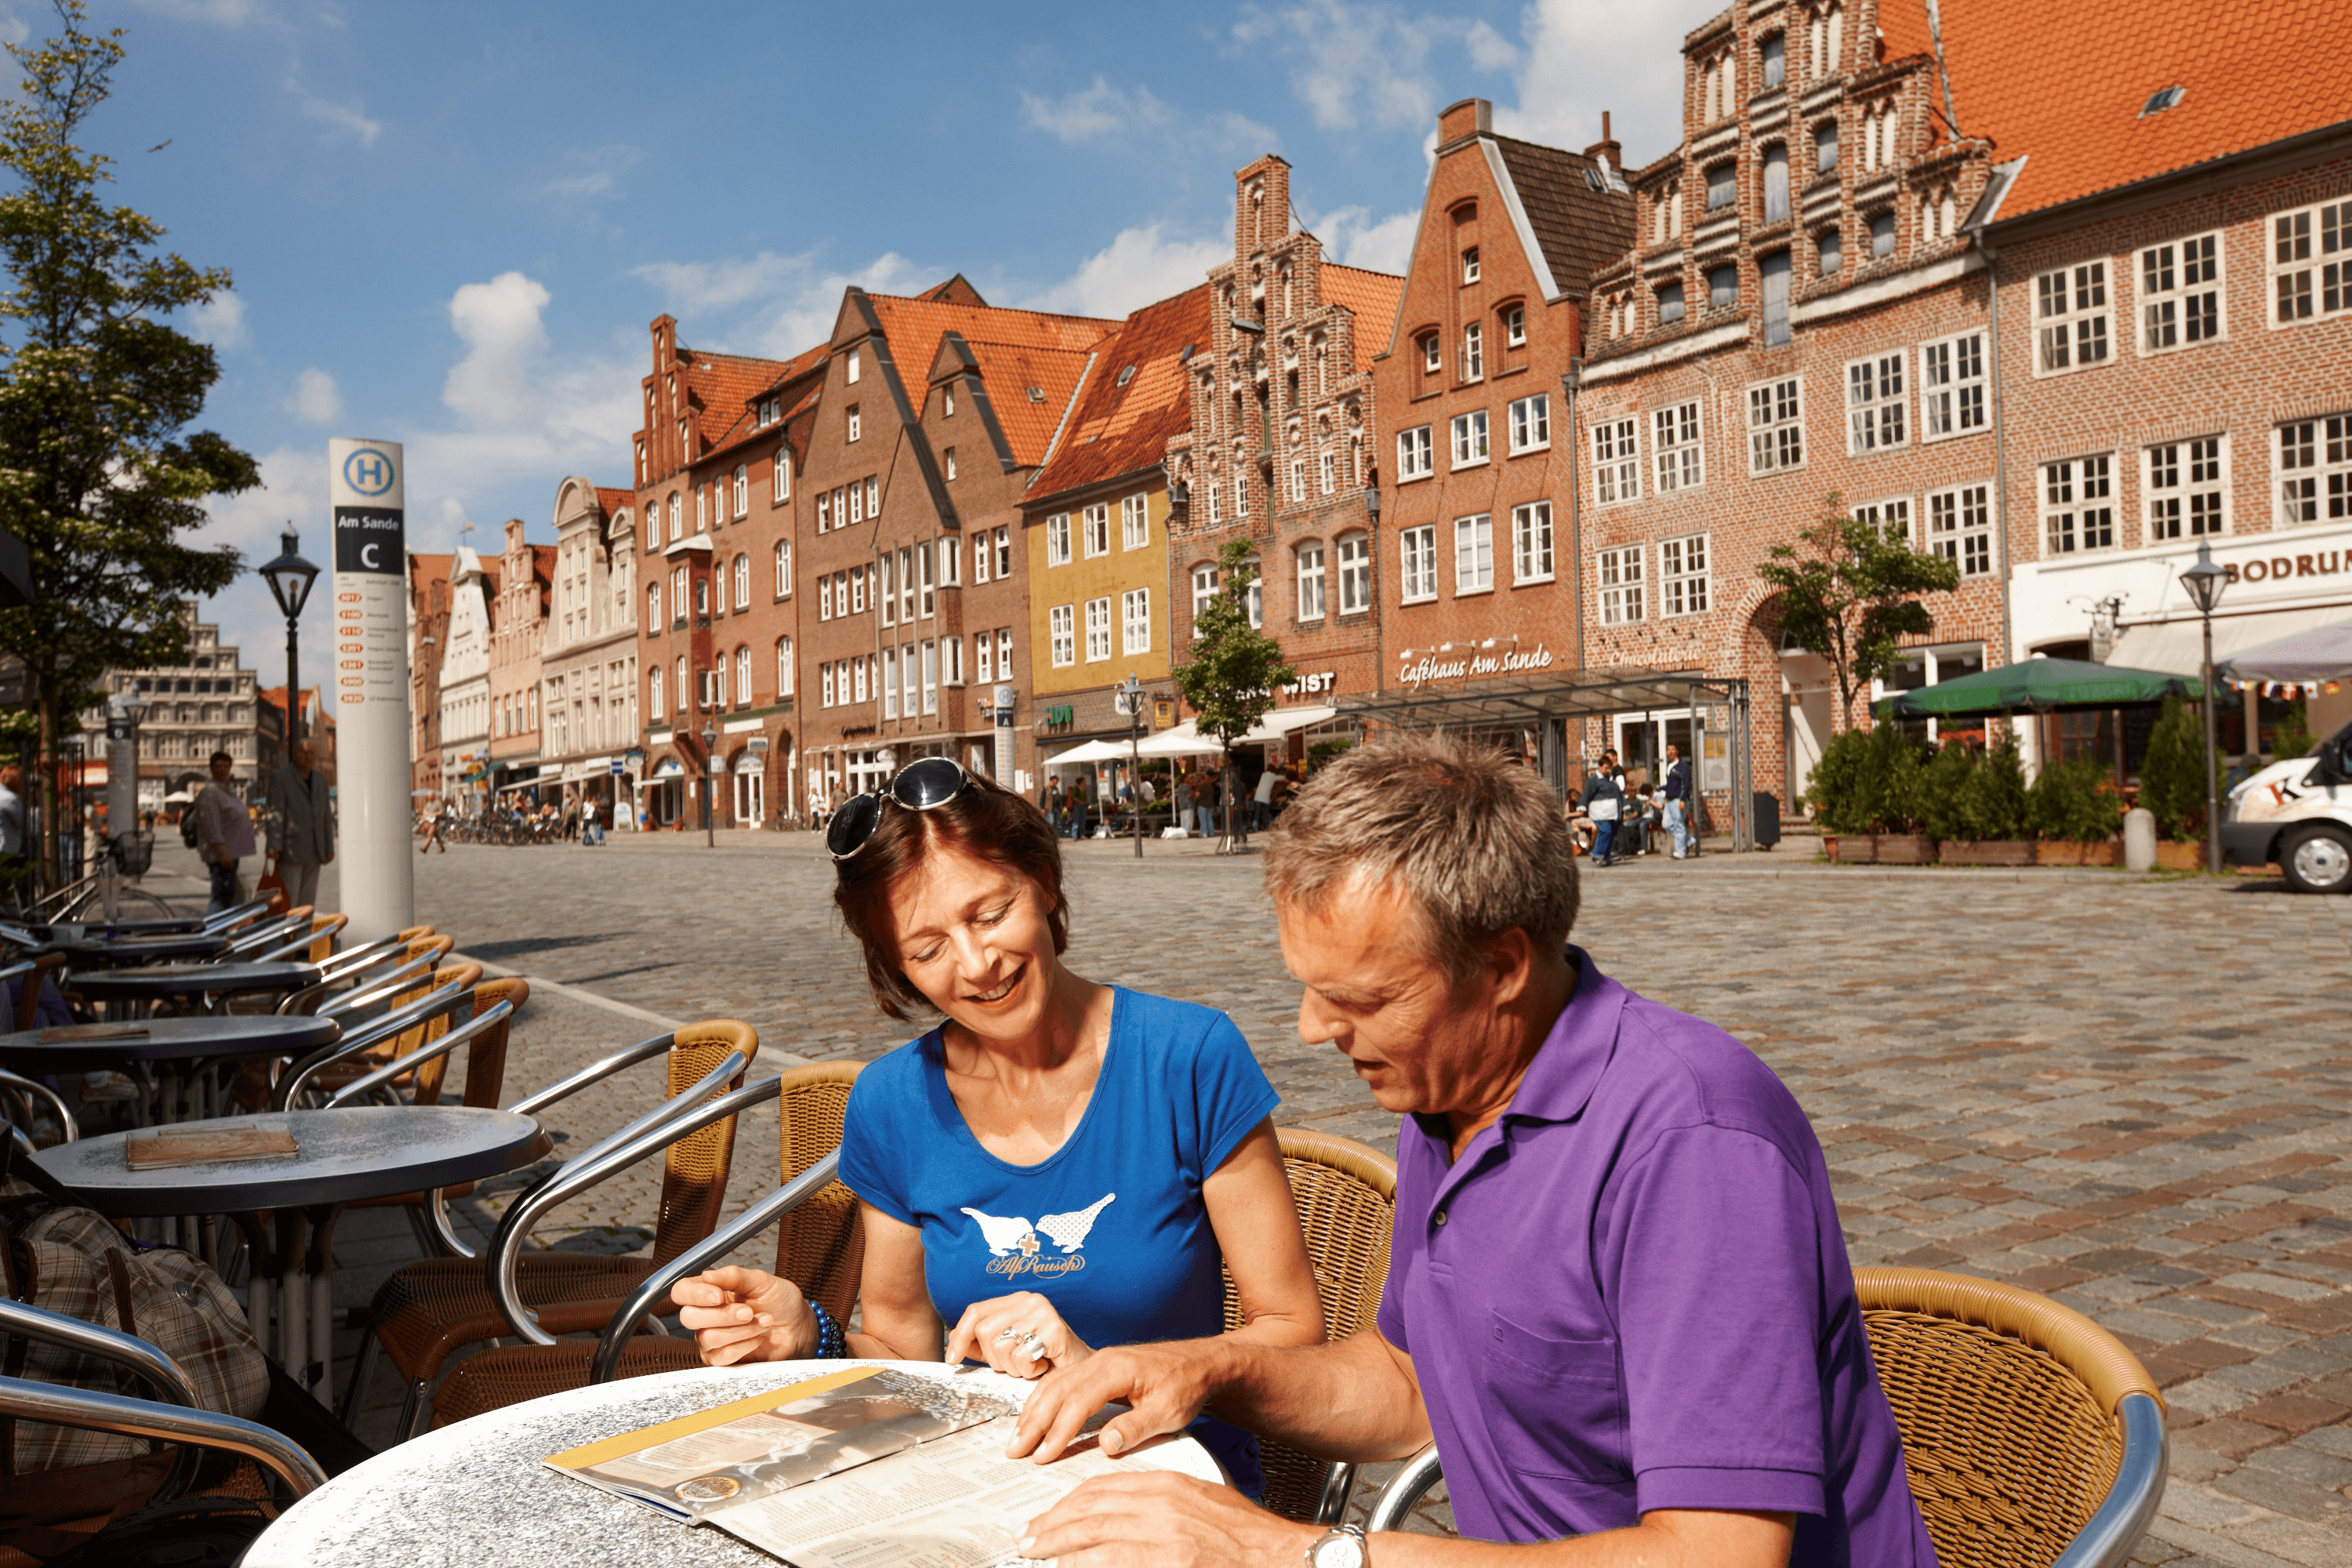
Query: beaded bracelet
[{"x": 831, "y": 1345}]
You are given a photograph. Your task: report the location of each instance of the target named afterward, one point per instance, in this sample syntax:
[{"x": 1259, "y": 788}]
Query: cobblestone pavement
[{"x": 2127, "y": 1093}]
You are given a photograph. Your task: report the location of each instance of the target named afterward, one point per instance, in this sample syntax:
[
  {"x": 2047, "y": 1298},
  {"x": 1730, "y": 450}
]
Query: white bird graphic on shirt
[{"x": 1007, "y": 1235}]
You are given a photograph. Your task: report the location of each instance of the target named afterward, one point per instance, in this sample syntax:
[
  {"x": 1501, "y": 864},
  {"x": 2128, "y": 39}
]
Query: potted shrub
[
  {"x": 1840, "y": 794},
  {"x": 2173, "y": 786},
  {"x": 2076, "y": 812},
  {"x": 1992, "y": 812},
  {"x": 1897, "y": 771}
]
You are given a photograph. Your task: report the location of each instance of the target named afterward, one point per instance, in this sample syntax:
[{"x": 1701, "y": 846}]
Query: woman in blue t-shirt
[{"x": 1059, "y": 1166}]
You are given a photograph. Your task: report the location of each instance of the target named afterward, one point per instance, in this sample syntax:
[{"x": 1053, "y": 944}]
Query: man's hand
[
  {"x": 1158, "y": 1519},
  {"x": 1165, "y": 1385}
]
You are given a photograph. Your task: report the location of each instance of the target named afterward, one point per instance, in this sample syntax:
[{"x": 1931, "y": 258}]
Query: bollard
[{"x": 2139, "y": 840}]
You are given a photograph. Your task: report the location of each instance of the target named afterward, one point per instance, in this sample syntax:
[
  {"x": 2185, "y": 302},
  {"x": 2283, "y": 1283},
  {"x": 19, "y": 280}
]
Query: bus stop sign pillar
[{"x": 366, "y": 488}]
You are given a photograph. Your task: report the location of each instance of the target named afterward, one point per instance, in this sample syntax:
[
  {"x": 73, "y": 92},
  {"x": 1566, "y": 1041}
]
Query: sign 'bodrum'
[{"x": 370, "y": 690}]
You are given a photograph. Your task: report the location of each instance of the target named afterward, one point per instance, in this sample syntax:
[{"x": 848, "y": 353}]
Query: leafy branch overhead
[
  {"x": 100, "y": 475},
  {"x": 1231, "y": 678},
  {"x": 1850, "y": 593}
]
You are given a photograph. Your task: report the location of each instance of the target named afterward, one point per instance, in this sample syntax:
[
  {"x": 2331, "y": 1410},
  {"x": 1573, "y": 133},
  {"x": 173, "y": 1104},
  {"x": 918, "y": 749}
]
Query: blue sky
[{"x": 449, "y": 224}]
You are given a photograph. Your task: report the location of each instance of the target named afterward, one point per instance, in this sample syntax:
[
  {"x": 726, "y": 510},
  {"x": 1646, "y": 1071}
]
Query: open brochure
[{"x": 861, "y": 1468}]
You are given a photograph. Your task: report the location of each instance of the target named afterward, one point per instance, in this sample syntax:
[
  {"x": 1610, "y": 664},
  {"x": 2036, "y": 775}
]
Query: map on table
[{"x": 213, "y": 1143}]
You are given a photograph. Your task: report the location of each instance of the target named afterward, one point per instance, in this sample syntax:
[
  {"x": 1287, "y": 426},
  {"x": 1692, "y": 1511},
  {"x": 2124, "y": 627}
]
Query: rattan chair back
[
  {"x": 465, "y": 973},
  {"x": 325, "y": 927},
  {"x": 486, "y": 1054},
  {"x": 820, "y": 1244},
  {"x": 694, "y": 1173},
  {"x": 28, "y": 994},
  {"x": 1346, "y": 1193},
  {"x": 2007, "y": 1401}
]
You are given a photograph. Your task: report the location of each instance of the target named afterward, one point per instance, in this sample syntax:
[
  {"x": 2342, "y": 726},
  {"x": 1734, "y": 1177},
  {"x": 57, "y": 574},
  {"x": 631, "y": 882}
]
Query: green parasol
[{"x": 2037, "y": 686}]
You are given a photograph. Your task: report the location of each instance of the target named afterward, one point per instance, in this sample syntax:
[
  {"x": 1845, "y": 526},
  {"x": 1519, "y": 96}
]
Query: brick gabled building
[
  {"x": 518, "y": 640},
  {"x": 934, "y": 412},
  {"x": 1479, "y": 496},
  {"x": 1095, "y": 521},
  {"x": 1280, "y": 452},
  {"x": 588, "y": 674},
  {"x": 428, "y": 638}
]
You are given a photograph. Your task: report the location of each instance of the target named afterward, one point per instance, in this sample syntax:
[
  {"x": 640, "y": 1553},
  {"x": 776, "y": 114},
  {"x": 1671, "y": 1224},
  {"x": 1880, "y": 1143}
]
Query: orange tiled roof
[
  {"x": 614, "y": 500},
  {"x": 2255, "y": 74},
  {"x": 1010, "y": 371},
  {"x": 915, "y": 326},
  {"x": 742, "y": 427},
  {"x": 725, "y": 384},
  {"x": 1116, "y": 429},
  {"x": 1372, "y": 296}
]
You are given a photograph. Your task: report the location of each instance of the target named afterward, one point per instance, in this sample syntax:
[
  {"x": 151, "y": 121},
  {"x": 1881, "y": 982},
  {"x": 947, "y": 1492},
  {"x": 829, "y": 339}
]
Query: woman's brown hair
[{"x": 988, "y": 822}]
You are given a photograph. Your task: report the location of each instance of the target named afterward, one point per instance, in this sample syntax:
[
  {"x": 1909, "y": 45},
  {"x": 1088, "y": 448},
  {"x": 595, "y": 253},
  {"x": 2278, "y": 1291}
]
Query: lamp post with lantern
[
  {"x": 2204, "y": 582},
  {"x": 1129, "y": 700},
  {"x": 710, "y": 782},
  {"x": 290, "y": 578}
]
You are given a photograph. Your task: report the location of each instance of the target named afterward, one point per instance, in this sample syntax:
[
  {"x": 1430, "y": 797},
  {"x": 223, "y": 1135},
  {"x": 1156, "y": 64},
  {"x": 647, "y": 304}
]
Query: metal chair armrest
[
  {"x": 19, "y": 969},
  {"x": 1406, "y": 1488},
  {"x": 533, "y": 1103},
  {"x": 389, "y": 1027},
  {"x": 237, "y": 916},
  {"x": 1339, "y": 1485},
  {"x": 304, "y": 939},
  {"x": 67, "y": 1406},
  {"x": 259, "y": 937},
  {"x": 684, "y": 1115},
  {"x": 352, "y": 959},
  {"x": 30, "y": 1323},
  {"x": 18, "y": 936},
  {"x": 702, "y": 1255},
  {"x": 381, "y": 989},
  {"x": 480, "y": 1024},
  {"x": 2107, "y": 1540},
  {"x": 56, "y": 1101}
]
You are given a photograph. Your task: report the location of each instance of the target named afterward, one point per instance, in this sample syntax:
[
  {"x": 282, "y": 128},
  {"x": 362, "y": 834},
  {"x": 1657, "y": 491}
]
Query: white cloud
[
  {"x": 220, "y": 13},
  {"x": 1489, "y": 50},
  {"x": 13, "y": 30},
  {"x": 349, "y": 117},
  {"x": 771, "y": 304},
  {"x": 1586, "y": 56},
  {"x": 1363, "y": 64},
  {"x": 603, "y": 169},
  {"x": 499, "y": 321},
  {"x": 1353, "y": 236},
  {"x": 316, "y": 399},
  {"x": 220, "y": 321},
  {"x": 695, "y": 288},
  {"x": 1096, "y": 112},
  {"x": 292, "y": 494},
  {"x": 1139, "y": 267}
]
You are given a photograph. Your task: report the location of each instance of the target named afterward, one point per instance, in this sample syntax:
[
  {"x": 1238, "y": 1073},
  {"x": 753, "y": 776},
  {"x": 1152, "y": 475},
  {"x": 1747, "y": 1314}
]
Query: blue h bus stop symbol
[{"x": 368, "y": 473}]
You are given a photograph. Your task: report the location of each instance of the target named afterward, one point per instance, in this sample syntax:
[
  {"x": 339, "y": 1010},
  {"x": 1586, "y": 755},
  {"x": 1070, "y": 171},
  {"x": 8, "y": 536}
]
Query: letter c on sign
[{"x": 367, "y": 555}]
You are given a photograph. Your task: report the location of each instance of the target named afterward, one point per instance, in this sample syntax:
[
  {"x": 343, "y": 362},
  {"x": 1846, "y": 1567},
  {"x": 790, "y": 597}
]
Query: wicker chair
[
  {"x": 1345, "y": 1195},
  {"x": 820, "y": 1246},
  {"x": 2031, "y": 1438},
  {"x": 428, "y": 1309}
]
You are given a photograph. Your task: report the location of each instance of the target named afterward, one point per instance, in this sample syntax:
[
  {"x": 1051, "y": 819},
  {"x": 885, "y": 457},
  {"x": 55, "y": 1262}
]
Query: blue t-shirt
[{"x": 1110, "y": 1227}]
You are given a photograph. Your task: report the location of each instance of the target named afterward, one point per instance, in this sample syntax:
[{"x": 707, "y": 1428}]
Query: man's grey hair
[{"x": 1476, "y": 840}]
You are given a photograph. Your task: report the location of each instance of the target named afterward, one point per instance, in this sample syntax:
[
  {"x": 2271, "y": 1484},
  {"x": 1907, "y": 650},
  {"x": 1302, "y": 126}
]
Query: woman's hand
[
  {"x": 742, "y": 1314},
  {"x": 1020, "y": 1334}
]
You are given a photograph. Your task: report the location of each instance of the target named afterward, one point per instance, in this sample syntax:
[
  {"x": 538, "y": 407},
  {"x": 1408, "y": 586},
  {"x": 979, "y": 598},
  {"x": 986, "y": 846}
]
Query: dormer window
[
  {"x": 1432, "y": 356},
  {"x": 1514, "y": 326},
  {"x": 1470, "y": 265}
]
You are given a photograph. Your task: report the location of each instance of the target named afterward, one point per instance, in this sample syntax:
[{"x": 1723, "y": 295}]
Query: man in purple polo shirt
[{"x": 1618, "y": 1297}]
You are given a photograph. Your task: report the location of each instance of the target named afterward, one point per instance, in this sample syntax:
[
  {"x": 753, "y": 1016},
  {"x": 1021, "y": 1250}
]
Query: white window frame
[
  {"x": 890, "y": 683},
  {"x": 1299, "y": 481},
  {"x": 1057, "y": 539},
  {"x": 1617, "y": 460},
  {"x": 2073, "y": 313},
  {"x": 1474, "y": 554},
  {"x": 1135, "y": 522},
  {"x": 1955, "y": 399},
  {"x": 1308, "y": 559},
  {"x": 1685, "y": 586},
  {"x": 1623, "y": 586},
  {"x": 743, "y": 491},
  {"x": 1531, "y": 544},
  {"x": 1135, "y": 622},
  {"x": 1470, "y": 265},
  {"x": 1206, "y": 578},
  {"x": 825, "y": 684},
  {"x": 1004, "y": 554},
  {"x": 783, "y": 667},
  {"x": 983, "y": 649},
  {"x": 1474, "y": 351},
  {"x": 1353, "y": 563},
  {"x": 886, "y": 601},
  {"x": 1417, "y": 565},
  {"x": 1216, "y": 503},
  {"x": 2081, "y": 521},
  {"x": 784, "y": 480},
  {"x": 2174, "y": 476},
  {"x": 925, "y": 574},
  {"x": 1514, "y": 326},
  {"x": 2308, "y": 255},
  {"x": 784, "y": 569},
  {"x": 1531, "y": 423},
  {"x": 1776, "y": 425},
  {"x": 1415, "y": 455},
  {"x": 743, "y": 580},
  {"x": 856, "y": 426},
  {"x": 854, "y": 366},
  {"x": 1959, "y": 524},
  {"x": 1005, "y": 653},
  {"x": 1432, "y": 357},
  {"x": 931, "y": 676},
  {"x": 864, "y": 670},
  {"x": 1878, "y": 418},
  {"x": 2314, "y": 461},
  {"x": 1062, "y": 635},
  {"x": 1678, "y": 448},
  {"x": 744, "y": 675},
  {"x": 653, "y": 708},
  {"x": 2176, "y": 276},
  {"x": 951, "y": 661},
  {"x": 1889, "y": 518},
  {"x": 1330, "y": 471},
  {"x": 1471, "y": 446},
  {"x": 1098, "y": 643},
  {"x": 950, "y": 562},
  {"x": 1095, "y": 524},
  {"x": 947, "y": 456}
]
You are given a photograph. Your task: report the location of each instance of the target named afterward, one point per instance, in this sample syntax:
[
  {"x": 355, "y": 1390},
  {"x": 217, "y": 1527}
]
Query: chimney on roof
[
  {"x": 1606, "y": 148},
  {"x": 1457, "y": 121}
]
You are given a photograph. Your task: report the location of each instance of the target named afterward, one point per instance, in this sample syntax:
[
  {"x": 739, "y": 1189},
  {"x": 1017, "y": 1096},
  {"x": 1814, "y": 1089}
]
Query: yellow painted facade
[{"x": 1107, "y": 576}]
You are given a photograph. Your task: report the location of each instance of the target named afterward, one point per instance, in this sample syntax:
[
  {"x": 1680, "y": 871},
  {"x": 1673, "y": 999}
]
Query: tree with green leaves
[
  {"x": 1852, "y": 594},
  {"x": 100, "y": 475},
  {"x": 1234, "y": 667}
]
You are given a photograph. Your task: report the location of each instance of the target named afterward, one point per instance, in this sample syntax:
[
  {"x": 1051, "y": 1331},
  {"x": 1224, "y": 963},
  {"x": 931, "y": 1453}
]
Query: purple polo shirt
[{"x": 1632, "y": 1293}]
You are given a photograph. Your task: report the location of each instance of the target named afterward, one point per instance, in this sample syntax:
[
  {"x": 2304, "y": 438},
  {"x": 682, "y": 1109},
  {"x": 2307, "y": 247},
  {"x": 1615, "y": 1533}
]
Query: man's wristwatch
[{"x": 1343, "y": 1546}]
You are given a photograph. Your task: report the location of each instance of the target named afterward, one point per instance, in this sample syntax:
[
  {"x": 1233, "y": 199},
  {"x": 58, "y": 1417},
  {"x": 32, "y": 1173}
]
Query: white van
[{"x": 2299, "y": 815}]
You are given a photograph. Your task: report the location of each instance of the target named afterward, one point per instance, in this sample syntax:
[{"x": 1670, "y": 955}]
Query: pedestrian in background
[
  {"x": 302, "y": 833},
  {"x": 12, "y": 810},
  {"x": 1603, "y": 802},
  {"x": 1262, "y": 800},
  {"x": 1677, "y": 801},
  {"x": 1204, "y": 801},
  {"x": 224, "y": 836},
  {"x": 436, "y": 814}
]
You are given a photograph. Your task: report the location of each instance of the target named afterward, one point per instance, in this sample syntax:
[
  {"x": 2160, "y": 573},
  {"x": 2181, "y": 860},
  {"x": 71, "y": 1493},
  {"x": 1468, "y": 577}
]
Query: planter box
[
  {"x": 1987, "y": 852},
  {"x": 2070, "y": 852},
  {"x": 1849, "y": 849},
  {"x": 2172, "y": 856},
  {"x": 1902, "y": 848}
]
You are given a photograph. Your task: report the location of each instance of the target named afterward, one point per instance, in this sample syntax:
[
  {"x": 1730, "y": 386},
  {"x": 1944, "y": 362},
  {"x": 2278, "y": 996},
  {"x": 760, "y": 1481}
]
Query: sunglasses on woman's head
[{"x": 921, "y": 784}]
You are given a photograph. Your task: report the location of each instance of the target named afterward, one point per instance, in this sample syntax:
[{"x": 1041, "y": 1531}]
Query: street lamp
[
  {"x": 2204, "y": 582},
  {"x": 290, "y": 578},
  {"x": 710, "y": 782},
  {"x": 1129, "y": 700}
]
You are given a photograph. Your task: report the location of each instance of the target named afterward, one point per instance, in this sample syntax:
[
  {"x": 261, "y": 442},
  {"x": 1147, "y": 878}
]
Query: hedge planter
[
  {"x": 2072, "y": 852},
  {"x": 2171, "y": 856},
  {"x": 1987, "y": 852},
  {"x": 1902, "y": 848},
  {"x": 1848, "y": 848}
]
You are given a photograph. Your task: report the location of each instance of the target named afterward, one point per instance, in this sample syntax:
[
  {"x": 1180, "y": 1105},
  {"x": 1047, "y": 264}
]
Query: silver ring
[{"x": 1034, "y": 1345}]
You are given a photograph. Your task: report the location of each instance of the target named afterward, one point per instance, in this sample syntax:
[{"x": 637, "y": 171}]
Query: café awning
[
  {"x": 2036, "y": 686},
  {"x": 2316, "y": 653},
  {"x": 1090, "y": 752}
]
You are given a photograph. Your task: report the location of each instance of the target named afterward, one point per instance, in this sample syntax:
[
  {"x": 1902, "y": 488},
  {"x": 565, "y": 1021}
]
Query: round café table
[
  {"x": 342, "y": 1155},
  {"x": 123, "y": 989},
  {"x": 173, "y": 1055},
  {"x": 146, "y": 948},
  {"x": 142, "y": 925},
  {"x": 475, "y": 1495}
]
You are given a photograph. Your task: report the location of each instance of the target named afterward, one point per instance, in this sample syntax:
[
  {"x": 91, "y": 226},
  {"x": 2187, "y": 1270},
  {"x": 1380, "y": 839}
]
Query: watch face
[{"x": 1341, "y": 1551}]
